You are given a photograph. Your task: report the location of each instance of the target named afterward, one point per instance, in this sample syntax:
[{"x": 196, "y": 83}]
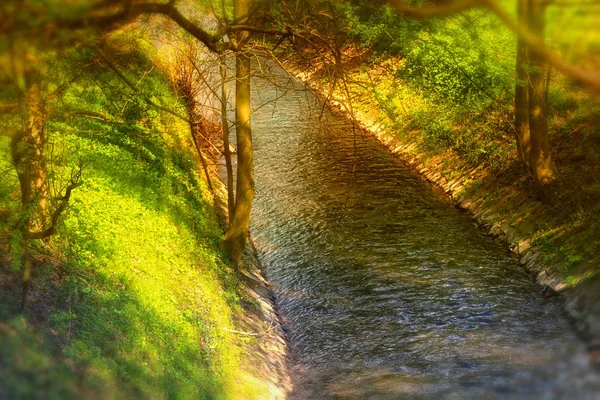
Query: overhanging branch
[
  {"x": 588, "y": 78},
  {"x": 438, "y": 10}
]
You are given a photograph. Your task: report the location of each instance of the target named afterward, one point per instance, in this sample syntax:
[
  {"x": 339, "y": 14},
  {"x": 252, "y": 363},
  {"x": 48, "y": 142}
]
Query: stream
[{"x": 386, "y": 289}]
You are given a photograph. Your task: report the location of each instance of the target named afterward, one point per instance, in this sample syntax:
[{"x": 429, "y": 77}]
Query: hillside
[{"x": 133, "y": 297}]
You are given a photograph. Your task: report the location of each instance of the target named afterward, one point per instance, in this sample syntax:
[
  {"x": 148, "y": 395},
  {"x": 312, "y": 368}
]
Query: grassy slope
[
  {"x": 133, "y": 298},
  {"x": 449, "y": 92}
]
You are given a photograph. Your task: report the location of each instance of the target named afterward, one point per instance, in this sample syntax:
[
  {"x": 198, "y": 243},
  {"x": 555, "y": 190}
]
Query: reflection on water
[{"x": 387, "y": 290}]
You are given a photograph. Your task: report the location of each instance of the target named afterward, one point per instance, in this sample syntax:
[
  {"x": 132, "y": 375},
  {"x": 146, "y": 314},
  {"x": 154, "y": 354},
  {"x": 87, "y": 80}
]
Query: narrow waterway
[{"x": 387, "y": 290}]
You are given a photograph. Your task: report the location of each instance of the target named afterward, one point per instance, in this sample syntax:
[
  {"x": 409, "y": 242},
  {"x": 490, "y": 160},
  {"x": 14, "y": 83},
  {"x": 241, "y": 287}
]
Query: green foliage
[
  {"x": 453, "y": 81},
  {"x": 435, "y": 129},
  {"x": 382, "y": 30},
  {"x": 459, "y": 59},
  {"x": 143, "y": 298},
  {"x": 560, "y": 101},
  {"x": 556, "y": 253},
  {"x": 24, "y": 355}
]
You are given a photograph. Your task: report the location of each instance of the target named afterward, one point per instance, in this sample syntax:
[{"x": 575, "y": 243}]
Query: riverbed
[{"x": 386, "y": 289}]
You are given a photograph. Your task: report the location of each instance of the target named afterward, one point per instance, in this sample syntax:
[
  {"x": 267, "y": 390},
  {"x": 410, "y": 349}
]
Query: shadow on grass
[
  {"x": 90, "y": 334},
  {"x": 131, "y": 300}
]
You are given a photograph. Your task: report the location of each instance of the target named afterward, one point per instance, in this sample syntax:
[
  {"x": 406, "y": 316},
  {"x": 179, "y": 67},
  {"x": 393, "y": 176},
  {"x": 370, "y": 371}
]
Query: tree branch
[
  {"x": 114, "y": 68},
  {"x": 102, "y": 18},
  {"x": 75, "y": 183},
  {"x": 288, "y": 31},
  {"x": 589, "y": 78},
  {"x": 6, "y": 108},
  {"x": 430, "y": 11}
]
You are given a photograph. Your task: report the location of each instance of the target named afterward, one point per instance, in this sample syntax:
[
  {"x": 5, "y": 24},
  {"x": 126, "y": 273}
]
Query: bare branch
[
  {"x": 438, "y": 10},
  {"x": 114, "y": 68},
  {"x": 64, "y": 201},
  {"x": 101, "y": 18},
  {"x": 6, "y": 108},
  {"x": 288, "y": 31}
]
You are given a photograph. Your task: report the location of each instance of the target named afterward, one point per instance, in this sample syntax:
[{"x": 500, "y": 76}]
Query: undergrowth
[{"x": 133, "y": 298}]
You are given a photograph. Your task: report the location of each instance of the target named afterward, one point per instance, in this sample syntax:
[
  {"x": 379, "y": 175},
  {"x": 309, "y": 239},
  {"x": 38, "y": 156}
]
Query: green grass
[
  {"x": 133, "y": 298},
  {"x": 152, "y": 309}
]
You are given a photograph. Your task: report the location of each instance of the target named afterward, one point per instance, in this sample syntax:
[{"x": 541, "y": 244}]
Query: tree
[
  {"x": 29, "y": 160},
  {"x": 532, "y": 64},
  {"x": 235, "y": 238},
  {"x": 531, "y": 115},
  {"x": 521, "y": 91},
  {"x": 187, "y": 79},
  {"x": 540, "y": 160},
  {"x": 28, "y": 152},
  {"x": 108, "y": 15}
]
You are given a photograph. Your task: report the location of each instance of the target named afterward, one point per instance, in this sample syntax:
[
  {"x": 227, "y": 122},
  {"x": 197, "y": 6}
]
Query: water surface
[{"x": 387, "y": 290}]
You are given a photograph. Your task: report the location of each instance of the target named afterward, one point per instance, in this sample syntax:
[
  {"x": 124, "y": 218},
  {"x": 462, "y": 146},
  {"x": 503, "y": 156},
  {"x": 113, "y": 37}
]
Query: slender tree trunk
[
  {"x": 226, "y": 149},
  {"x": 539, "y": 159},
  {"x": 196, "y": 130},
  {"x": 35, "y": 140},
  {"x": 235, "y": 238},
  {"x": 28, "y": 156},
  {"x": 521, "y": 92}
]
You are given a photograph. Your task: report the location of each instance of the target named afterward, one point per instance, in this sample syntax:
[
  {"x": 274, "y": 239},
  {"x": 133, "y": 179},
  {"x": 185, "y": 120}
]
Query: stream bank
[
  {"x": 266, "y": 355},
  {"x": 506, "y": 210},
  {"x": 134, "y": 297}
]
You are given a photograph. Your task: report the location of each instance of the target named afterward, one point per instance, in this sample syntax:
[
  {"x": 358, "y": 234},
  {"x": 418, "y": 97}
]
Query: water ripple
[{"x": 387, "y": 290}]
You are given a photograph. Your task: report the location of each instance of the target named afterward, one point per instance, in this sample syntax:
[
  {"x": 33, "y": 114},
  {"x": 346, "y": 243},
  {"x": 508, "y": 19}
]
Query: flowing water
[{"x": 386, "y": 289}]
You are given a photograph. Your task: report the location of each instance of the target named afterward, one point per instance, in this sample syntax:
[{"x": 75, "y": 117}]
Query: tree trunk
[
  {"x": 540, "y": 161},
  {"x": 197, "y": 131},
  {"x": 26, "y": 276},
  {"x": 35, "y": 195},
  {"x": 226, "y": 149},
  {"x": 28, "y": 156},
  {"x": 235, "y": 238},
  {"x": 521, "y": 92}
]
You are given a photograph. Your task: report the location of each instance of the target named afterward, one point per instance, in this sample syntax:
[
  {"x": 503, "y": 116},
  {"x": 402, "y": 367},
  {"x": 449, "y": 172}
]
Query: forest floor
[{"x": 557, "y": 236}]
